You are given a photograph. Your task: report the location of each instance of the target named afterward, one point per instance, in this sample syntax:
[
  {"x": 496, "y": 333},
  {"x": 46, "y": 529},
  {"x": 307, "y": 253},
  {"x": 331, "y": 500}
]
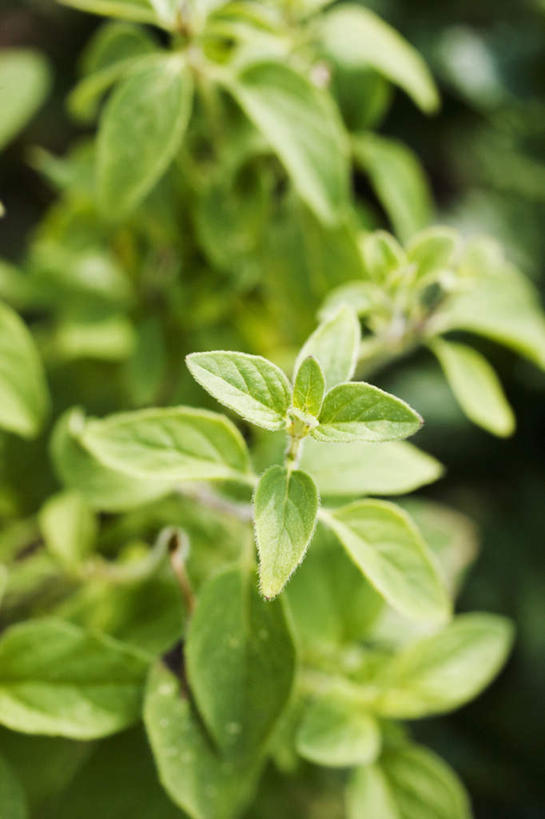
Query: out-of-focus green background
[{"x": 485, "y": 155}]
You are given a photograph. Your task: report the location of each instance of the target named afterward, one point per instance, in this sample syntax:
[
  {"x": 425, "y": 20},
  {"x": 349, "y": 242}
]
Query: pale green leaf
[
  {"x": 359, "y": 296},
  {"x": 399, "y": 181},
  {"x": 388, "y": 548},
  {"x": 441, "y": 672},
  {"x": 106, "y": 337},
  {"x": 167, "y": 11},
  {"x": 309, "y": 387},
  {"x": 331, "y": 603},
  {"x": 240, "y": 662},
  {"x": 68, "y": 526},
  {"x": 355, "y": 37},
  {"x": 476, "y": 386},
  {"x": 24, "y": 83},
  {"x": 170, "y": 444},
  {"x": 103, "y": 488},
  {"x": 114, "y": 50},
  {"x": 423, "y": 786},
  {"x": 361, "y": 412},
  {"x": 358, "y": 468},
  {"x": 368, "y": 794},
  {"x": 303, "y": 128},
  {"x": 200, "y": 781},
  {"x": 382, "y": 255},
  {"x": 410, "y": 783},
  {"x": 495, "y": 300},
  {"x": 334, "y": 344},
  {"x": 285, "y": 506},
  {"x": 250, "y": 385},
  {"x": 24, "y": 399},
  {"x": 337, "y": 734},
  {"x": 140, "y": 131},
  {"x": 432, "y": 250},
  {"x": 141, "y": 11},
  {"x": 56, "y": 678}
]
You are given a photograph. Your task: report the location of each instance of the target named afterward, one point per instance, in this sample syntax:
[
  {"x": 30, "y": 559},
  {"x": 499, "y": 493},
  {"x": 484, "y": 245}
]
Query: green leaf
[
  {"x": 355, "y": 37},
  {"x": 24, "y": 83},
  {"x": 141, "y": 11},
  {"x": 240, "y": 662},
  {"x": 330, "y": 602},
  {"x": 382, "y": 254},
  {"x": 303, "y": 128},
  {"x": 385, "y": 544},
  {"x": 201, "y": 782},
  {"x": 68, "y": 526},
  {"x": 399, "y": 181},
  {"x": 309, "y": 387},
  {"x": 358, "y": 468},
  {"x": 439, "y": 673},
  {"x": 360, "y": 296},
  {"x": 432, "y": 250},
  {"x": 12, "y": 796},
  {"x": 451, "y": 536},
  {"x": 286, "y": 504},
  {"x": 362, "y": 412},
  {"x": 248, "y": 384},
  {"x": 140, "y": 131},
  {"x": 57, "y": 679},
  {"x": 336, "y": 733},
  {"x": 369, "y": 794},
  {"x": 495, "y": 300},
  {"x": 476, "y": 386},
  {"x": 122, "y": 768},
  {"x": 114, "y": 50},
  {"x": 334, "y": 344},
  {"x": 410, "y": 783},
  {"x": 24, "y": 399},
  {"x": 170, "y": 444},
  {"x": 103, "y": 488}
]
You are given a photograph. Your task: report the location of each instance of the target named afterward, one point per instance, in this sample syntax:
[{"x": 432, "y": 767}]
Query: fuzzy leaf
[
  {"x": 432, "y": 250},
  {"x": 337, "y": 734},
  {"x": 441, "y": 672},
  {"x": 362, "y": 412},
  {"x": 410, "y": 783},
  {"x": 170, "y": 444},
  {"x": 285, "y": 504},
  {"x": 24, "y": 399},
  {"x": 240, "y": 662},
  {"x": 248, "y": 384},
  {"x": 140, "y": 131},
  {"x": 24, "y": 83},
  {"x": 57, "y": 679},
  {"x": 476, "y": 386},
  {"x": 356, "y": 37},
  {"x": 384, "y": 543},
  {"x": 68, "y": 526},
  {"x": 103, "y": 488},
  {"x": 309, "y": 387},
  {"x": 141, "y": 11},
  {"x": 303, "y": 128},
  {"x": 399, "y": 181},
  {"x": 200, "y": 781},
  {"x": 334, "y": 344},
  {"x": 357, "y": 468}
]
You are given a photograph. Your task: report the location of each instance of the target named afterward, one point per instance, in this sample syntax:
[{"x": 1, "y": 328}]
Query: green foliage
[
  {"x": 410, "y": 783},
  {"x": 162, "y": 560},
  {"x": 384, "y": 543},
  {"x": 57, "y": 679},
  {"x": 24, "y": 83},
  {"x": 286, "y": 503}
]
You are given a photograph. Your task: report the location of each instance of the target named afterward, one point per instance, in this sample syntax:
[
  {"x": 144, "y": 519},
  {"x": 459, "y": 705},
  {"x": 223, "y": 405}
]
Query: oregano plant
[{"x": 217, "y": 611}]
